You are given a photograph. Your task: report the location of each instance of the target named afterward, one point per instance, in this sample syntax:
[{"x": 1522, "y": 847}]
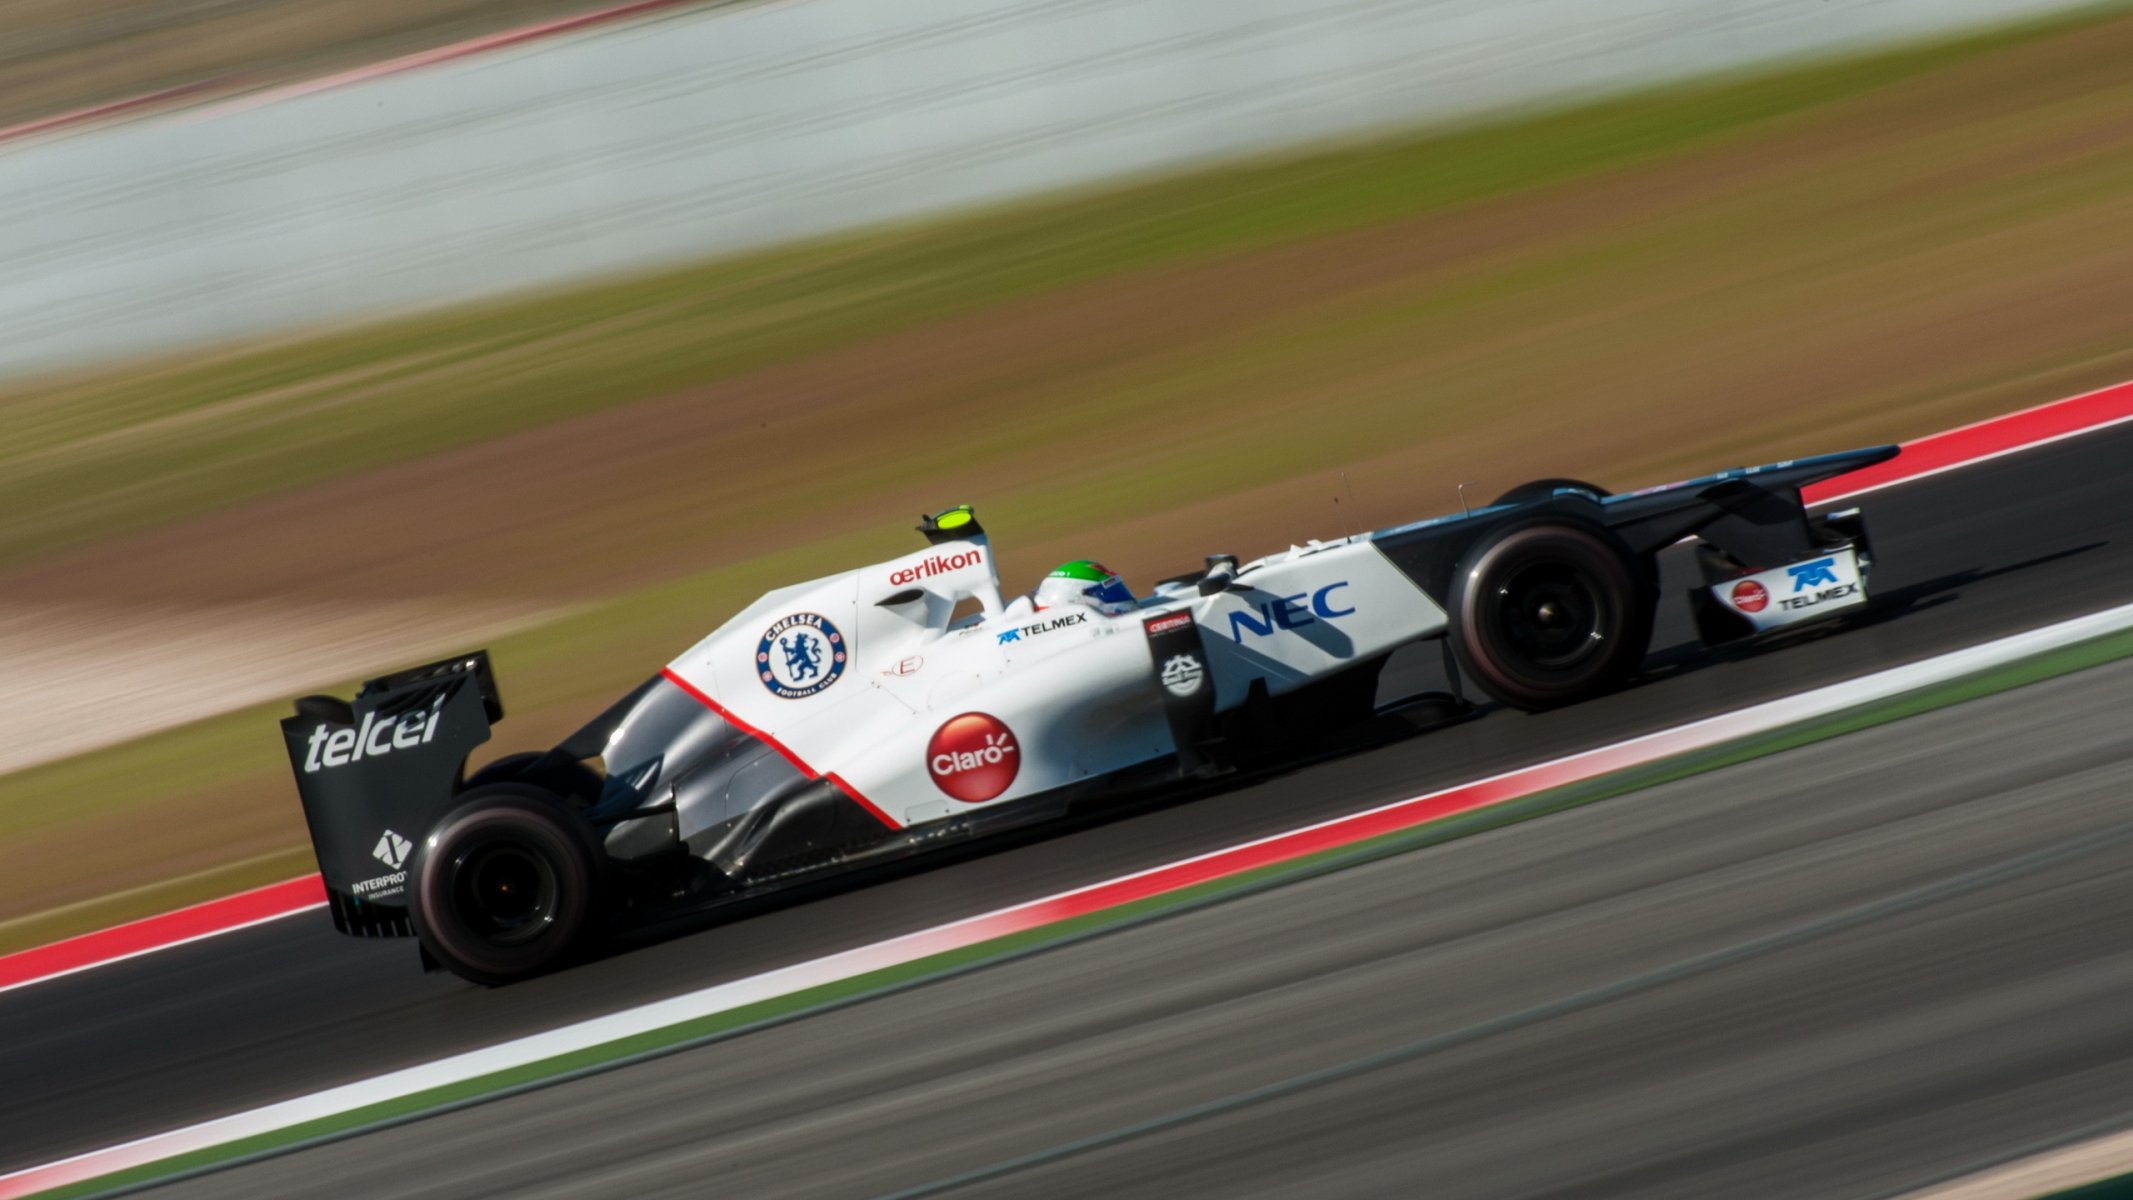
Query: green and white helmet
[{"x": 1089, "y": 584}]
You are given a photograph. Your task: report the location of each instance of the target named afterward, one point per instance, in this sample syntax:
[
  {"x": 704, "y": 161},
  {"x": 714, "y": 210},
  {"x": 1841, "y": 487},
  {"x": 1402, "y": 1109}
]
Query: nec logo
[
  {"x": 1815, "y": 574},
  {"x": 1288, "y": 612}
]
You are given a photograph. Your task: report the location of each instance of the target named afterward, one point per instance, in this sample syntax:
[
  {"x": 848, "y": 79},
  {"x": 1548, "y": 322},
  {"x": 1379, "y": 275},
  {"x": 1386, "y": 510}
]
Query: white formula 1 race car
[{"x": 852, "y": 718}]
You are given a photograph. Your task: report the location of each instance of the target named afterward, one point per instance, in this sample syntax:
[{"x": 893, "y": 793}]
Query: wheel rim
[
  {"x": 504, "y": 892},
  {"x": 1550, "y": 615}
]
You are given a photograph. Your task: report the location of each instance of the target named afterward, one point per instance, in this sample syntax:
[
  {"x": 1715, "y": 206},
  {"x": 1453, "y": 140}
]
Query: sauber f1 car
[{"x": 855, "y": 718}]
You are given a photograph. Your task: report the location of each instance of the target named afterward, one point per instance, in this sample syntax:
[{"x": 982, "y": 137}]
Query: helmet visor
[{"x": 1111, "y": 593}]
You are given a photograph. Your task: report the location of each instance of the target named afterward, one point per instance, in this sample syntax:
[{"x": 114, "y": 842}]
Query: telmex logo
[
  {"x": 1839, "y": 592},
  {"x": 1814, "y": 574},
  {"x": 338, "y": 747},
  {"x": 1288, "y": 612},
  {"x": 939, "y": 564},
  {"x": 1046, "y": 626}
]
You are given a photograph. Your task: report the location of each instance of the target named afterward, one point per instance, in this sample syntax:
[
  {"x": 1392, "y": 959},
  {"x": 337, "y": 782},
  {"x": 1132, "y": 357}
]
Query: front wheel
[
  {"x": 1550, "y": 613},
  {"x": 1543, "y": 489},
  {"x": 506, "y": 886}
]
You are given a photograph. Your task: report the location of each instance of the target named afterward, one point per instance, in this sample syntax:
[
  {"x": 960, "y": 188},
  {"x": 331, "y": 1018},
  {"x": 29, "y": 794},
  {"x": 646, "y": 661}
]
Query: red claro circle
[
  {"x": 1750, "y": 596},
  {"x": 973, "y": 757}
]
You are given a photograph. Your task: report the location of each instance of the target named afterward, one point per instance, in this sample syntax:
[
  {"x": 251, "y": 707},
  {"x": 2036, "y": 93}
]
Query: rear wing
[{"x": 376, "y": 773}]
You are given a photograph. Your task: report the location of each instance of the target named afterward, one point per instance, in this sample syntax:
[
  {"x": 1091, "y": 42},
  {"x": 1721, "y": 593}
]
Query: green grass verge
[
  {"x": 84, "y": 460},
  {"x": 799, "y": 1005},
  {"x": 2118, "y": 1187}
]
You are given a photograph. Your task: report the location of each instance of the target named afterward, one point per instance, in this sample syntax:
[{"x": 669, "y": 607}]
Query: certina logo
[
  {"x": 1813, "y": 574},
  {"x": 1167, "y": 622},
  {"x": 1750, "y": 596},
  {"x": 1064, "y": 621},
  {"x": 337, "y": 747},
  {"x": 392, "y": 850},
  {"x": 1289, "y": 612},
  {"x": 800, "y": 656},
  {"x": 939, "y": 564},
  {"x": 973, "y": 757},
  {"x": 1182, "y": 674}
]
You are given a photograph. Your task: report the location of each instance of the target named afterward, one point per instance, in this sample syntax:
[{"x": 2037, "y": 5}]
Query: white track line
[
  {"x": 2041, "y": 1174},
  {"x": 725, "y": 997}
]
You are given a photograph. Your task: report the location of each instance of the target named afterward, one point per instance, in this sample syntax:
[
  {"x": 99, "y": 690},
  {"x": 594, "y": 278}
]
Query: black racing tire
[
  {"x": 507, "y": 885},
  {"x": 1547, "y": 613},
  {"x": 1541, "y": 489}
]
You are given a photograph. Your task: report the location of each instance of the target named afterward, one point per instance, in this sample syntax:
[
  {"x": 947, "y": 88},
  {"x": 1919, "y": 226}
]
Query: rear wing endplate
[{"x": 374, "y": 776}]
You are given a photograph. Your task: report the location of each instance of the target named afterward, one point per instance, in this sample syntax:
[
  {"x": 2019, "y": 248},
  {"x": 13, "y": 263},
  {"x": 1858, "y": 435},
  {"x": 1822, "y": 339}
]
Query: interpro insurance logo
[{"x": 392, "y": 850}]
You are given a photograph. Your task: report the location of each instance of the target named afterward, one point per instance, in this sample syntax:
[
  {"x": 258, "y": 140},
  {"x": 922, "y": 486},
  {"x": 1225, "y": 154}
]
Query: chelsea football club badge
[{"x": 800, "y": 656}]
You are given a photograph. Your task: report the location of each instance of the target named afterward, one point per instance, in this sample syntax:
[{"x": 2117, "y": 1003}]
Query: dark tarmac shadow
[{"x": 1685, "y": 658}]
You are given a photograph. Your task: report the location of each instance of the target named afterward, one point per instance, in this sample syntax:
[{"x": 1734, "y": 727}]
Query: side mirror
[{"x": 1221, "y": 572}]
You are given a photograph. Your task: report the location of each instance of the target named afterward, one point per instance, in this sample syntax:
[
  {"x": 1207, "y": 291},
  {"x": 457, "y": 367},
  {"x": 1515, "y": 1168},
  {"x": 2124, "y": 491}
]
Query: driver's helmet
[{"x": 1086, "y": 583}]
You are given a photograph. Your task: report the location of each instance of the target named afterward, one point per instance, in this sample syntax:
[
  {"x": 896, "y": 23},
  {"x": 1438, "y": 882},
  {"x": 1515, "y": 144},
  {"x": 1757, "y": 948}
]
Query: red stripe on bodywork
[
  {"x": 837, "y": 781},
  {"x": 764, "y": 737}
]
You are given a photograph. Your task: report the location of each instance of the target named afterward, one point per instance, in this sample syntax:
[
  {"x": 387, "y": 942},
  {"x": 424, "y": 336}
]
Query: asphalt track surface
[
  {"x": 289, "y": 1007},
  {"x": 1832, "y": 973}
]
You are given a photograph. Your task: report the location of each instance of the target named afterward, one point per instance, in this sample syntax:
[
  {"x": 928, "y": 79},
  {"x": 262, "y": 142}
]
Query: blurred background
[{"x": 339, "y": 333}]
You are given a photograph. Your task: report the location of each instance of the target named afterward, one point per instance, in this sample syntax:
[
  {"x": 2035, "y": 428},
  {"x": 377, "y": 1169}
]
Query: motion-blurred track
[
  {"x": 290, "y": 1007},
  {"x": 1832, "y": 973}
]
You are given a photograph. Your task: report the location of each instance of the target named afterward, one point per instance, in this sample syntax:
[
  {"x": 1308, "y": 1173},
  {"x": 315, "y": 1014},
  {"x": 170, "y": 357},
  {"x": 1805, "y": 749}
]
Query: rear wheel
[
  {"x": 571, "y": 779},
  {"x": 506, "y": 886},
  {"x": 1550, "y": 613}
]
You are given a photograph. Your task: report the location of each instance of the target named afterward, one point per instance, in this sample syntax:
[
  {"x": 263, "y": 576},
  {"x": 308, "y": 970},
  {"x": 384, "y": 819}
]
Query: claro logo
[
  {"x": 1750, "y": 596},
  {"x": 973, "y": 757},
  {"x": 939, "y": 564},
  {"x": 337, "y": 747}
]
